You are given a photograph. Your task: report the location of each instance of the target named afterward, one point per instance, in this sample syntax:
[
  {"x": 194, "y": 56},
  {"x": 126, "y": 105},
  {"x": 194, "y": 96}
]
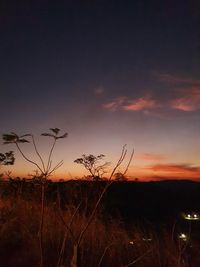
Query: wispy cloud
[
  {"x": 185, "y": 98},
  {"x": 150, "y": 157},
  {"x": 184, "y": 105},
  {"x": 175, "y": 168},
  {"x": 188, "y": 101},
  {"x": 187, "y": 92},
  {"x": 115, "y": 104},
  {"x": 173, "y": 171},
  {"x": 141, "y": 104}
]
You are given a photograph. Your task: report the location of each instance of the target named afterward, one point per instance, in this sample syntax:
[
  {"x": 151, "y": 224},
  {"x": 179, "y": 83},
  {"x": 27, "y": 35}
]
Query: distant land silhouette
[{"x": 131, "y": 200}]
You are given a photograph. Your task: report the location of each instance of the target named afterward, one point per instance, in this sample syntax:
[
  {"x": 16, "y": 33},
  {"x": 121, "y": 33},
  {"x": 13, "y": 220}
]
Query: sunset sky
[{"x": 109, "y": 73}]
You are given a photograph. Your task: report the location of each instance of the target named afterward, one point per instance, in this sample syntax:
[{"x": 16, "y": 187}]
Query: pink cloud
[
  {"x": 175, "y": 168},
  {"x": 115, "y": 104},
  {"x": 150, "y": 157},
  {"x": 141, "y": 104},
  {"x": 187, "y": 91},
  {"x": 182, "y": 104},
  {"x": 189, "y": 101},
  {"x": 131, "y": 105}
]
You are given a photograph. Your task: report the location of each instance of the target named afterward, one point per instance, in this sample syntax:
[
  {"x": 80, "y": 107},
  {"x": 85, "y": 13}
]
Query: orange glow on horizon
[{"x": 140, "y": 173}]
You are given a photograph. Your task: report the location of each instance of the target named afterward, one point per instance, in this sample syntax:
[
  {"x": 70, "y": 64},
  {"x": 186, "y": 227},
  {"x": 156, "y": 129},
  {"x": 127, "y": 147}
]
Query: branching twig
[
  {"x": 122, "y": 157},
  {"x": 50, "y": 154},
  {"x": 104, "y": 253},
  {"x": 128, "y": 165},
  {"x": 37, "y": 152},
  {"x": 138, "y": 259},
  {"x": 27, "y": 159},
  {"x": 68, "y": 229},
  {"x": 56, "y": 167}
]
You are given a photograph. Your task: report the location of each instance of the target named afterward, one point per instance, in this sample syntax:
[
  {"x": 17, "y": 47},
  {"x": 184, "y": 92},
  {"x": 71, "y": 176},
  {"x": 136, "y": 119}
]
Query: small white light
[
  {"x": 188, "y": 215},
  {"x": 183, "y": 237},
  {"x": 131, "y": 242},
  {"x": 195, "y": 216}
]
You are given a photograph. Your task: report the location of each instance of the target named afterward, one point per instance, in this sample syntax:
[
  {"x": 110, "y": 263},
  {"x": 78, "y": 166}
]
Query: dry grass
[{"x": 105, "y": 244}]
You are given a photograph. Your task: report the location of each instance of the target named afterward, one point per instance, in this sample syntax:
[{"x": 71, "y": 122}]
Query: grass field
[{"x": 107, "y": 242}]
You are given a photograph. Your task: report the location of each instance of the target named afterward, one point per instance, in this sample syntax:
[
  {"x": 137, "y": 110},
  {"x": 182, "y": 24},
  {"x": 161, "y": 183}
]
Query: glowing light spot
[{"x": 183, "y": 237}]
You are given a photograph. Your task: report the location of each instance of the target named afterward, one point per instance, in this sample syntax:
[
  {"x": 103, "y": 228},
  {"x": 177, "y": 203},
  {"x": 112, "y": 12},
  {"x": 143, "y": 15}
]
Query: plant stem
[{"x": 42, "y": 225}]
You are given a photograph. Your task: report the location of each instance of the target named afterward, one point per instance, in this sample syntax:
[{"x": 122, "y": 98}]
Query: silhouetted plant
[
  {"x": 43, "y": 170},
  {"x": 91, "y": 162},
  {"x": 94, "y": 165},
  {"x": 120, "y": 177},
  {"x": 6, "y": 159}
]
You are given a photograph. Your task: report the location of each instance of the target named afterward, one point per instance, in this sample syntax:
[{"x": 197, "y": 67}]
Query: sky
[{"x": 108, "y": 73}]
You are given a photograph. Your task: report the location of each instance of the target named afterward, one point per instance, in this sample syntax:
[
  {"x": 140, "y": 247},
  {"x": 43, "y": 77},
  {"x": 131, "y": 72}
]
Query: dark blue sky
[{"x": 105, "y": 71}]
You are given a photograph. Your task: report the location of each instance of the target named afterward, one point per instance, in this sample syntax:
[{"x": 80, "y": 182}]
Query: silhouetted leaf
[
  {"x": 10, "y": 138},
  {"x": 47, "y": 134},
  {"x": 9, "y": 154},
  {"x": 7, "y": 158},
  {"x": 22, "y": 141},
  {"x": 62, "y": 136},
  {"x": 55, "y": 130},
  {"x": 2, "y": 157},
  {"x": 79, "y": 161},
  {"x": 14, "y": 138}
]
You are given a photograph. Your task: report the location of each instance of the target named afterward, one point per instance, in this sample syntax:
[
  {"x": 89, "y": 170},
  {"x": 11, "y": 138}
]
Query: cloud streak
[
  {"x": 188, "y": 92},
  {"x": 141, "y": 104},
  {"x": 115, "y": 104},
  {"x": 189, "y": 101},
  {"x": 173, "y": 171},
  {"x": 186, "y": 99},
  {"x": 150, "y": 157},
  {"x": 175, "y": 168}
]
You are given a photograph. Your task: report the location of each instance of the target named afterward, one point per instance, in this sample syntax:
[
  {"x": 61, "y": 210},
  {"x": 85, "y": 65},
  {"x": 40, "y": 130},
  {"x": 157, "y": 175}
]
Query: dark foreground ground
[
  {"x": 144, "y": 223},
  {"x": 131, "y": 200}
]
